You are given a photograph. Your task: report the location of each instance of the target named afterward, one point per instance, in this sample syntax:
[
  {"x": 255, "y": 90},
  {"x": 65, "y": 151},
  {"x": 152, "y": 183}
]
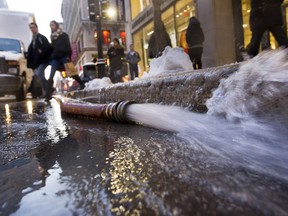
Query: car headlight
[{"x": 13, "y": 70}]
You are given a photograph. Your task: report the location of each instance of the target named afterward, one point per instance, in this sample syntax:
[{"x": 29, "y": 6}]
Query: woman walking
[
  {"x": 195, "y": 39},
  {"x": 60, "y": 55}
]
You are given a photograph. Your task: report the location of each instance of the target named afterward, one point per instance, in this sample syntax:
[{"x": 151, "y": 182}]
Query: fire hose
[{"x": 112, "y": 111}]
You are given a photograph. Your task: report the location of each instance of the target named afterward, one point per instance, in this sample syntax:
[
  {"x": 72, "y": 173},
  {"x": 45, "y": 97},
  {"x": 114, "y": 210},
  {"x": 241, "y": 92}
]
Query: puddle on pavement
[
  {"x": 85, "y": 167},
  {"x": 104, "y": 168}
]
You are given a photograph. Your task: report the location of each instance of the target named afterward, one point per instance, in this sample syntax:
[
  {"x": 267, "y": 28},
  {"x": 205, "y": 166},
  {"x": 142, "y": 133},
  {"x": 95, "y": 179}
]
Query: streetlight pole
[{"x": 100, "y": 60}]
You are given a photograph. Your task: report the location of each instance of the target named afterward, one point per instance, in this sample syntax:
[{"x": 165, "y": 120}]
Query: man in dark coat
[
  {"x": 133, "y": 58},
  {"x": 266, "y": 15},
  {"x": 39, "y": 52},
  {"x": 116, "y": 54},
  {"x": 195, "y": 38}
]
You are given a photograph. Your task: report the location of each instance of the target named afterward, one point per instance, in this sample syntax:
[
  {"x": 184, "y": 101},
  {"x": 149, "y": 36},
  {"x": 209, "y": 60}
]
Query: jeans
[
  {"x": 40, "y": 71},
  {"x": 55, "y": 64},
  {"x": 133, "y": 68}
]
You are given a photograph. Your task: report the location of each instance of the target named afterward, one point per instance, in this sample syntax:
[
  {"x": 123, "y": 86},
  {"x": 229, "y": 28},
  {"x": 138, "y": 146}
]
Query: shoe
[{"x": 47, "y": 99}]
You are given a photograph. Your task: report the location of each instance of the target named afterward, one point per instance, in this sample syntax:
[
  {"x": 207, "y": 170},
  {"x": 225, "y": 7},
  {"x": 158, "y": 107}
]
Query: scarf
[{"x": 56, "y": 34}]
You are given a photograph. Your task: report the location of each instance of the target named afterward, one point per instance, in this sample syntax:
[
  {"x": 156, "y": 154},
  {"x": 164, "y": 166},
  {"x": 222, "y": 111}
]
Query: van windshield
[{"x": 7, "y": 44}]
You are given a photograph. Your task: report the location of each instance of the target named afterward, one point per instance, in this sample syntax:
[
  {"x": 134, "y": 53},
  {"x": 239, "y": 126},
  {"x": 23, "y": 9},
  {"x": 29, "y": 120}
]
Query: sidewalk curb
[{"x": 186, "y": 89}]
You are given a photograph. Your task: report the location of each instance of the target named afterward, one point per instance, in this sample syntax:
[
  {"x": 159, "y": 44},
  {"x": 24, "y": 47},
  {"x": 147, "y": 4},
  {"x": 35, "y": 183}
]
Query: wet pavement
[{"x": 60, "y": 165}]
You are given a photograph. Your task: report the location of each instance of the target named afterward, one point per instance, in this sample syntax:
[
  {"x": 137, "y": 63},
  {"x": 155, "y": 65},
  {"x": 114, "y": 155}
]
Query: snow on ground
[
  {"x": 98, "y": 83},
  {"x": 173, "y": 60}
]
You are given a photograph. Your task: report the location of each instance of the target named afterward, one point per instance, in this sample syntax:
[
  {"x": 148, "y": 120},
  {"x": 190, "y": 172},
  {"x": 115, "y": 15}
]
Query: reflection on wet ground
[{"x": 88, "y": 167}]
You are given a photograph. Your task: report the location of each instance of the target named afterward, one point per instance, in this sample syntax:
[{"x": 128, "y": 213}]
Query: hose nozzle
[{"x": 117, "y": 111}]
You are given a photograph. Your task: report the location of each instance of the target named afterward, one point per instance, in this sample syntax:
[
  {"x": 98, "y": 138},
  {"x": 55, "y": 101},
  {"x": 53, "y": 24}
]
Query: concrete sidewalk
[{"x": 186, "y": 89}]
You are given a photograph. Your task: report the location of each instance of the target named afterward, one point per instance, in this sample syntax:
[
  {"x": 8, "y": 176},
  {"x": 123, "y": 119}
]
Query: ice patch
[
  {"x": 98, "y": 83},
  {"x": 172, "y": 60}
]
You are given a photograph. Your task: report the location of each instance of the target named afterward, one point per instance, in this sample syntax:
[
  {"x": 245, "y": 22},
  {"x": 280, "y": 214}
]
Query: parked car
[{"x": 15, "y": 77}]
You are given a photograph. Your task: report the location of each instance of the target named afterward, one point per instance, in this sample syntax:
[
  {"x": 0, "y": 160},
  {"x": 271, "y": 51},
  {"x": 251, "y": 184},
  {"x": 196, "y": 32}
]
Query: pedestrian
[
  {"x": 116, "y": 54},
  {"x": 266, "y": 15},
  {"x": 195, "y": 38},
  {"x": 133, "y": 58},
  {"x": 61, "y": 54},
  {"x": 39, "y": 52}
]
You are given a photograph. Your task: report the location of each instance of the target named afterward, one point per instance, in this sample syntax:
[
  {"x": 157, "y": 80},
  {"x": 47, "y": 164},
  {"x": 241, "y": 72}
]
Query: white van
[{"x": 15, "y": 36}]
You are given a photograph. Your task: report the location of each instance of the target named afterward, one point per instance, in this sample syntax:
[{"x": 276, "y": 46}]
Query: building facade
[
  {"x": 225, "y": 24},
  {"x": 82, "y": 31},
  {"x": 3, "y": 4}
]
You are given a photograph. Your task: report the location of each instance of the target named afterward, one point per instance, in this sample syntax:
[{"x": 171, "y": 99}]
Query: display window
[
  {"x": 183, "y": 12},
  {"x": 175, "y": 19},
  {"x": 137, "y": 6}
]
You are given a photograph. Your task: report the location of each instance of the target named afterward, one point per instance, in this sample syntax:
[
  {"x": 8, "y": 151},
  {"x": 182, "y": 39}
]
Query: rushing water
[{"x": 247, "y": 121}]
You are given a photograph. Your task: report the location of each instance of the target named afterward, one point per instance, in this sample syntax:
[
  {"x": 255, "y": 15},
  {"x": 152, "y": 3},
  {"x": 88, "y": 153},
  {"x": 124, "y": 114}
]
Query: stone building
[
  {"x": 225, "y": 24},
  {"x": 82, "y": 31},
  {"x": 3, "y": 4}
]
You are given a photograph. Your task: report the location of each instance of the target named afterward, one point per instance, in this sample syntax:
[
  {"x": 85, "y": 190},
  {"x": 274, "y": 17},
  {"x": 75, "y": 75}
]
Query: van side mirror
[{"x": 26, "y": 54}]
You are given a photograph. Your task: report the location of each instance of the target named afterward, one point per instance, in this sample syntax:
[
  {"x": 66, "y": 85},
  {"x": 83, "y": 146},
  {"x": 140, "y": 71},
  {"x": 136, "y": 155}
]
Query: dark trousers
[
  {"x": 257, "y": 34},
  {"x": 133, "y": 68},
  {"x": 195, "y": 55},
  {"x": 116, "y": 75}
]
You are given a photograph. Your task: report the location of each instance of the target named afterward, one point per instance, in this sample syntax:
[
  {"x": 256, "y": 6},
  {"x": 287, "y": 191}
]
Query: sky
[{"x": 44, "y": 11}]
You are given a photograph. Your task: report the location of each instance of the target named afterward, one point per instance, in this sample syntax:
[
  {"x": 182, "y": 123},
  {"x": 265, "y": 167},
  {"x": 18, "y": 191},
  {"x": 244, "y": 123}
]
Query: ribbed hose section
[
  {"x": 117, "y": 111},
  {"x": 113, "y": 111}
]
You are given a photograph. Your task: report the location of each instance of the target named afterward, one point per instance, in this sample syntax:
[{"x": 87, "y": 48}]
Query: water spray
[{"x": 112, "y": 111}]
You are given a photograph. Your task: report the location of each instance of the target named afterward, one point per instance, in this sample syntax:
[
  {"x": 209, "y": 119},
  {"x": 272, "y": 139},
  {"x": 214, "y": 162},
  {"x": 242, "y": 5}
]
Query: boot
[
  {"x": 78, "y": 79},
  {"x": 49, "y": 89}
]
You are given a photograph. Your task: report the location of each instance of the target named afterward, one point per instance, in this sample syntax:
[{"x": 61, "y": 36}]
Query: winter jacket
[
  {"x": 115, "y": 56},
  {"x": 194, "y": 33},
  {"x": 133, "y": 57},
  {"x": 40, "y": 52},
  {"x": 61, "y": 46},
  {"x": 265, "y": 13}
]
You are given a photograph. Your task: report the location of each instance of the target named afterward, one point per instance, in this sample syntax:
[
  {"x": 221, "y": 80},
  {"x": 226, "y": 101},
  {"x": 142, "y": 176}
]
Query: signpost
[{"x": 95, "y": 16}]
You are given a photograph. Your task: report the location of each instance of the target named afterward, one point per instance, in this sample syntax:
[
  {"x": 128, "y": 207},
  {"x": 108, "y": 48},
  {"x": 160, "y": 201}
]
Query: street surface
[{"x": 60, "y": 165}]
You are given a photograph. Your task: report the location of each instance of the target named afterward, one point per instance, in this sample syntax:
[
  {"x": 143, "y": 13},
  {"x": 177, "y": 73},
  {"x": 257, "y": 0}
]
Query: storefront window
[
  {"x": 168, "y": 20},
  {"x": 246, "y": 26},
  {"x": 138, "y": 46},
  {"x": 285, "y": 5},
  {"x": 123, "y": 37},
  {"x": 106, "y": 36},
  {"x": 175, "y": 19},
  {"x": 137, "y": 6},
  {"x": 140, "y": 40},
  {"x": 183, "y": 12}
]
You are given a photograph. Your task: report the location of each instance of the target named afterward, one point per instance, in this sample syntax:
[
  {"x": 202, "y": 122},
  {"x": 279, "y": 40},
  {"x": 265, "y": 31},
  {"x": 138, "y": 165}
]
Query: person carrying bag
[{"x": 60, "y": 56}]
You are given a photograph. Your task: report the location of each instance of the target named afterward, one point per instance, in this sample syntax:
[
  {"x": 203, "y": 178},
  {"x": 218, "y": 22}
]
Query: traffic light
[
  {"x": 98, "y": 8},
  {"x": 92, "y": 10},
  {"x": 104, "y": 9}
]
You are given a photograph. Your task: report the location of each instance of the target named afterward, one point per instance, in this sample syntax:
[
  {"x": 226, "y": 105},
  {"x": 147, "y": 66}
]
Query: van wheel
[{"x": 21, "y": 94}]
